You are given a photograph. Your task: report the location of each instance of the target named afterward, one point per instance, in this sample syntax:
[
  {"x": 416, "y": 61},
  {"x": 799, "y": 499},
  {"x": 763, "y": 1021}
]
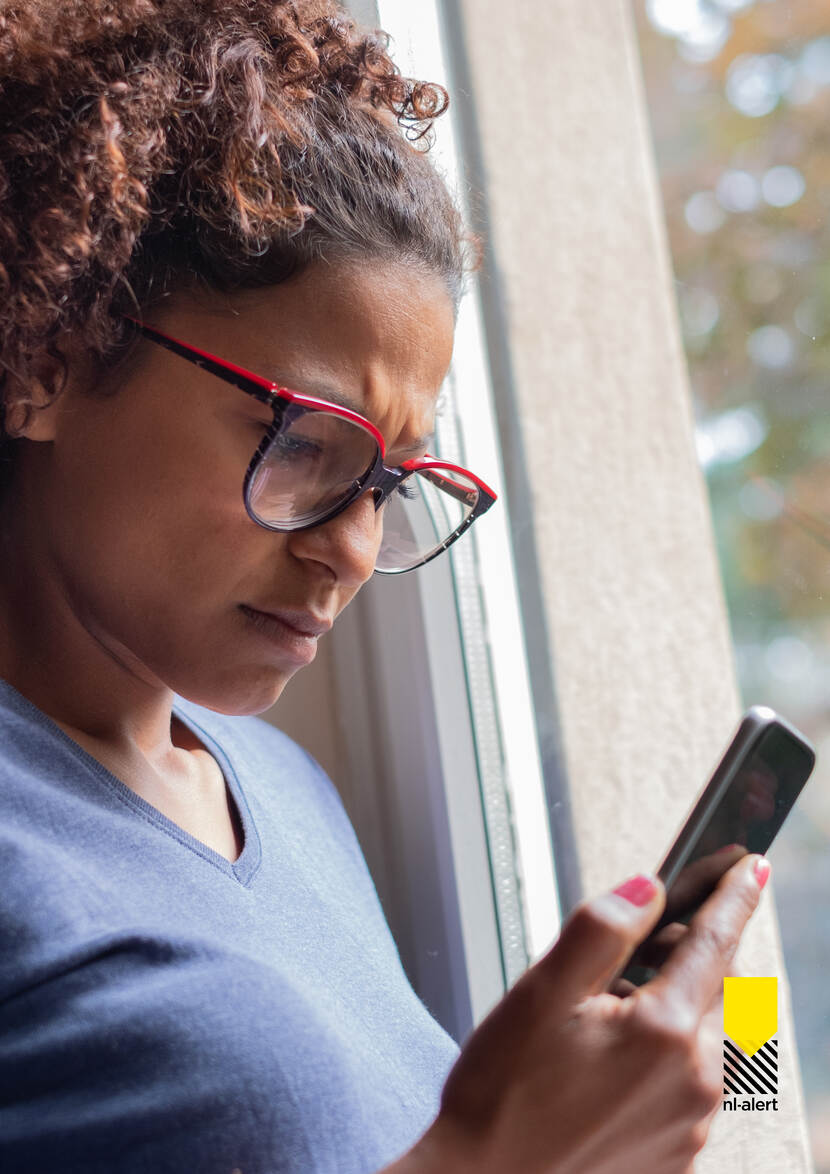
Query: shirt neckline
[{"x": 245, "y": 867}]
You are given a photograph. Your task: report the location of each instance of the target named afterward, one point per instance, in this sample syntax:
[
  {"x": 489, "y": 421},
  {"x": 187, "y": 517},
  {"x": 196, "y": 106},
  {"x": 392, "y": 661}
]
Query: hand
[{"x": 563, "y": 1077}]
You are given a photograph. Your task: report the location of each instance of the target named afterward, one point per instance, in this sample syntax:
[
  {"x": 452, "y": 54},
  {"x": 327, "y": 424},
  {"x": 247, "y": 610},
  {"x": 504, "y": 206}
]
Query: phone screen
[{"x": 757, "y": 800}]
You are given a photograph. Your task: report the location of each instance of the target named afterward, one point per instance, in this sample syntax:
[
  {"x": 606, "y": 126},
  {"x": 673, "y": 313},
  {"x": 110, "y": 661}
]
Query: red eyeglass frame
[{"x": 288, "y": 405}]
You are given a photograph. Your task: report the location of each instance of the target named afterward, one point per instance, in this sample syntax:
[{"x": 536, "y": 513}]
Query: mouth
[
  {"x": 294, "y": 633},
  {"x": 304, "y": 622}
]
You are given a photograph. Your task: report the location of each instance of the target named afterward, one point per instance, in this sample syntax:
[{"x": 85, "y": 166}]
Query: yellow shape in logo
[{"x": 750, "y": 1011}]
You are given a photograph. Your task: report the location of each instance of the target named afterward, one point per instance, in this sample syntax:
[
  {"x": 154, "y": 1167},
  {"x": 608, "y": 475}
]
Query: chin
[{"x": 241, "y": 696}]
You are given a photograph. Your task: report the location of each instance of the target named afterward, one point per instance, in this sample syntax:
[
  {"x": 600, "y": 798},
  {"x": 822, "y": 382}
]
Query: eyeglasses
[{"x": 316, "y": 458}]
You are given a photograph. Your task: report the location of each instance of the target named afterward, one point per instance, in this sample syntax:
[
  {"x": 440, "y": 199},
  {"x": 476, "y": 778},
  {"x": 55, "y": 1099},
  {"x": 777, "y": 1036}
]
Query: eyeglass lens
[
  {"x": 421, "y": 514},
  {"x": 319, "y": 460},
  {"x": 311, "y": 465}
]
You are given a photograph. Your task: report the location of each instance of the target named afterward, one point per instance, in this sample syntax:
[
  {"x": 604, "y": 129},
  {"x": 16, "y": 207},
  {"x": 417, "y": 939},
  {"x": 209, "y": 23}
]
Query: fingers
[
  {"x": 658, "y": 946},
  {"x": 599, "y": 936},
  {"x": 694, "y": 972}
]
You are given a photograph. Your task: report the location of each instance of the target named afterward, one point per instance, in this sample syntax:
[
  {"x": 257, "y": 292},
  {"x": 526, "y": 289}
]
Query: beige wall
[{"x": 633, "y": 601}]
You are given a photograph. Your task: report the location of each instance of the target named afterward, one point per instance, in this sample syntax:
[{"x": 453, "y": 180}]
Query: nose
[{"x": 347, "y": 544}]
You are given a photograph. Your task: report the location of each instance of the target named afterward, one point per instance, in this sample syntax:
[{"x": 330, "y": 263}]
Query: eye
[
  {"x": 290, "y": 447},
  {"x": 401, "y": 490}
]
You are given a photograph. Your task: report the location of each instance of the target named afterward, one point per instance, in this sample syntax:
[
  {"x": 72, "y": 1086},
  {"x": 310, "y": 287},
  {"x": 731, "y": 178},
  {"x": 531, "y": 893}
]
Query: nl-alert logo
[{"x": 750, "y": 1049}]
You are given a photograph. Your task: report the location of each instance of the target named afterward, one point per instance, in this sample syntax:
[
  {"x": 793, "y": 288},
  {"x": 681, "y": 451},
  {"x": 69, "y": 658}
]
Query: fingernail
[
  {"x": 762, "y": 871},
  {"x": 640, "y": 890},
  {"x": 728, "y": 848}
]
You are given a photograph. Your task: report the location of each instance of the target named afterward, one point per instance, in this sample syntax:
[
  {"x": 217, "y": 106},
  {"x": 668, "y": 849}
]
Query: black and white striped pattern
[{"x": 750, "y": 1075}]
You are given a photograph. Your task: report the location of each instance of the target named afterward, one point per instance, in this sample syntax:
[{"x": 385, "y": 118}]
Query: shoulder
[
  {"x": 20, "y": 722},
  {"x": 34, "y": 752}
]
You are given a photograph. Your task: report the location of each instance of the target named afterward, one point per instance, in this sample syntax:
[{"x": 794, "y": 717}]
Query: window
[{"x": 738, "y": 100}]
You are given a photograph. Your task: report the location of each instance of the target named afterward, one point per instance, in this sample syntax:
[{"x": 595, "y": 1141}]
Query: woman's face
[{"x": 138, "y": 497}]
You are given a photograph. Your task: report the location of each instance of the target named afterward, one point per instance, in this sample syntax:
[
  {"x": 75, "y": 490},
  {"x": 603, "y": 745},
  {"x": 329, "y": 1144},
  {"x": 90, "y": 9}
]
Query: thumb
[{"x": 599, "y": 936}]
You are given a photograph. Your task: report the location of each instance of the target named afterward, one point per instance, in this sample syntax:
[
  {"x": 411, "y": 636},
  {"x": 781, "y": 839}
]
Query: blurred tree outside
[{"x": 739, "y": 98}]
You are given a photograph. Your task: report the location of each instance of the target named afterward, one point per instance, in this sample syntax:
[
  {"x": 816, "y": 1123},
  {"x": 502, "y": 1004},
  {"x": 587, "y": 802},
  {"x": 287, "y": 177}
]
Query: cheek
[{"x": 153, "y": 512}]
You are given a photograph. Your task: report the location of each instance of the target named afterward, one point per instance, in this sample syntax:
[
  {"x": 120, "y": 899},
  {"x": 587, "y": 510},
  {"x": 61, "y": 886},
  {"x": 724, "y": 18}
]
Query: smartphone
[{"x": 740, "y": 811}]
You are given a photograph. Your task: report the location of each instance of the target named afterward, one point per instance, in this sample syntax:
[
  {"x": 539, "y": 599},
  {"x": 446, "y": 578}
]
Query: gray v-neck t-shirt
[{"x": 164, "y": 1010}]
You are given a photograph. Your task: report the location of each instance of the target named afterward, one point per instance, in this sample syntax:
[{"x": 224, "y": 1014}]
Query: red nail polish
[
  {"x": 762, "y": 871},
  {"x": 640, "y": 890},
  {"x": 728, "y": 848}
]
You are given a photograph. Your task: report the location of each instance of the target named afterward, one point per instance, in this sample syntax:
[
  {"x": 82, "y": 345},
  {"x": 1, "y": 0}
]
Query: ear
[{"x": 31, "y": 402}]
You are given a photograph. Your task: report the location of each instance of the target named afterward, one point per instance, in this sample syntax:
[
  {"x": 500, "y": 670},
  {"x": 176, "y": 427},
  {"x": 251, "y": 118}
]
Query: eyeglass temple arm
[
  {"x": 447, "y": 485},
  {"x": 261, "y": 389}
]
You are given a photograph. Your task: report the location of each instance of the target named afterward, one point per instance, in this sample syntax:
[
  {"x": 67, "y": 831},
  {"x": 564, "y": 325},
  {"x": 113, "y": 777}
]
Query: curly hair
[{"x": 150, "y": 143}]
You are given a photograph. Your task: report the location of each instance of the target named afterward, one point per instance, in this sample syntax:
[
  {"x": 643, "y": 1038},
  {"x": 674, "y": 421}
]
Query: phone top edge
[
  {"x": 771, "y": 717},
  {"x": 763, "y": 713}
]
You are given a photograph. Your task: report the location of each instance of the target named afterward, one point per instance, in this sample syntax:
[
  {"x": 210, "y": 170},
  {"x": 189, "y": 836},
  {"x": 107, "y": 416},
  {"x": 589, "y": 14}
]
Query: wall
[{"x": 579, "y": 282}]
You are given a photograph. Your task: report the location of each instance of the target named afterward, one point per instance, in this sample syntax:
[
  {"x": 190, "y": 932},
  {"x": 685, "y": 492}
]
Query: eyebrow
[{"x": 333, "y": 396}]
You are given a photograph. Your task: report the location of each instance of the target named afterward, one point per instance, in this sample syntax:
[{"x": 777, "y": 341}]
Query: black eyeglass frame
[{"x": 289, "y": 406}]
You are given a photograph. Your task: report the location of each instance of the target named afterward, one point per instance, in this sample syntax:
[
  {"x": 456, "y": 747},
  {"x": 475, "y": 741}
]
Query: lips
[{"x": 304, "y": 622}]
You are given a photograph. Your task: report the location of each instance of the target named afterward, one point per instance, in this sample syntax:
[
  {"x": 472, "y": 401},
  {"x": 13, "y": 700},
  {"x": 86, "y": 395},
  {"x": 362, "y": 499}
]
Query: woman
[{"x": 229, "y": 290}]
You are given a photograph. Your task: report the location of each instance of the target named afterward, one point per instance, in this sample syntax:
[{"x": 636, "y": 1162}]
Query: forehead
[{"x": 371, "y": 336}]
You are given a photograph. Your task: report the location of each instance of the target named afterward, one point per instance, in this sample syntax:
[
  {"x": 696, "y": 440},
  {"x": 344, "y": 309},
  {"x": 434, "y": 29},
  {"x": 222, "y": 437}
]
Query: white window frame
[{"x": 445, "y": 782}]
